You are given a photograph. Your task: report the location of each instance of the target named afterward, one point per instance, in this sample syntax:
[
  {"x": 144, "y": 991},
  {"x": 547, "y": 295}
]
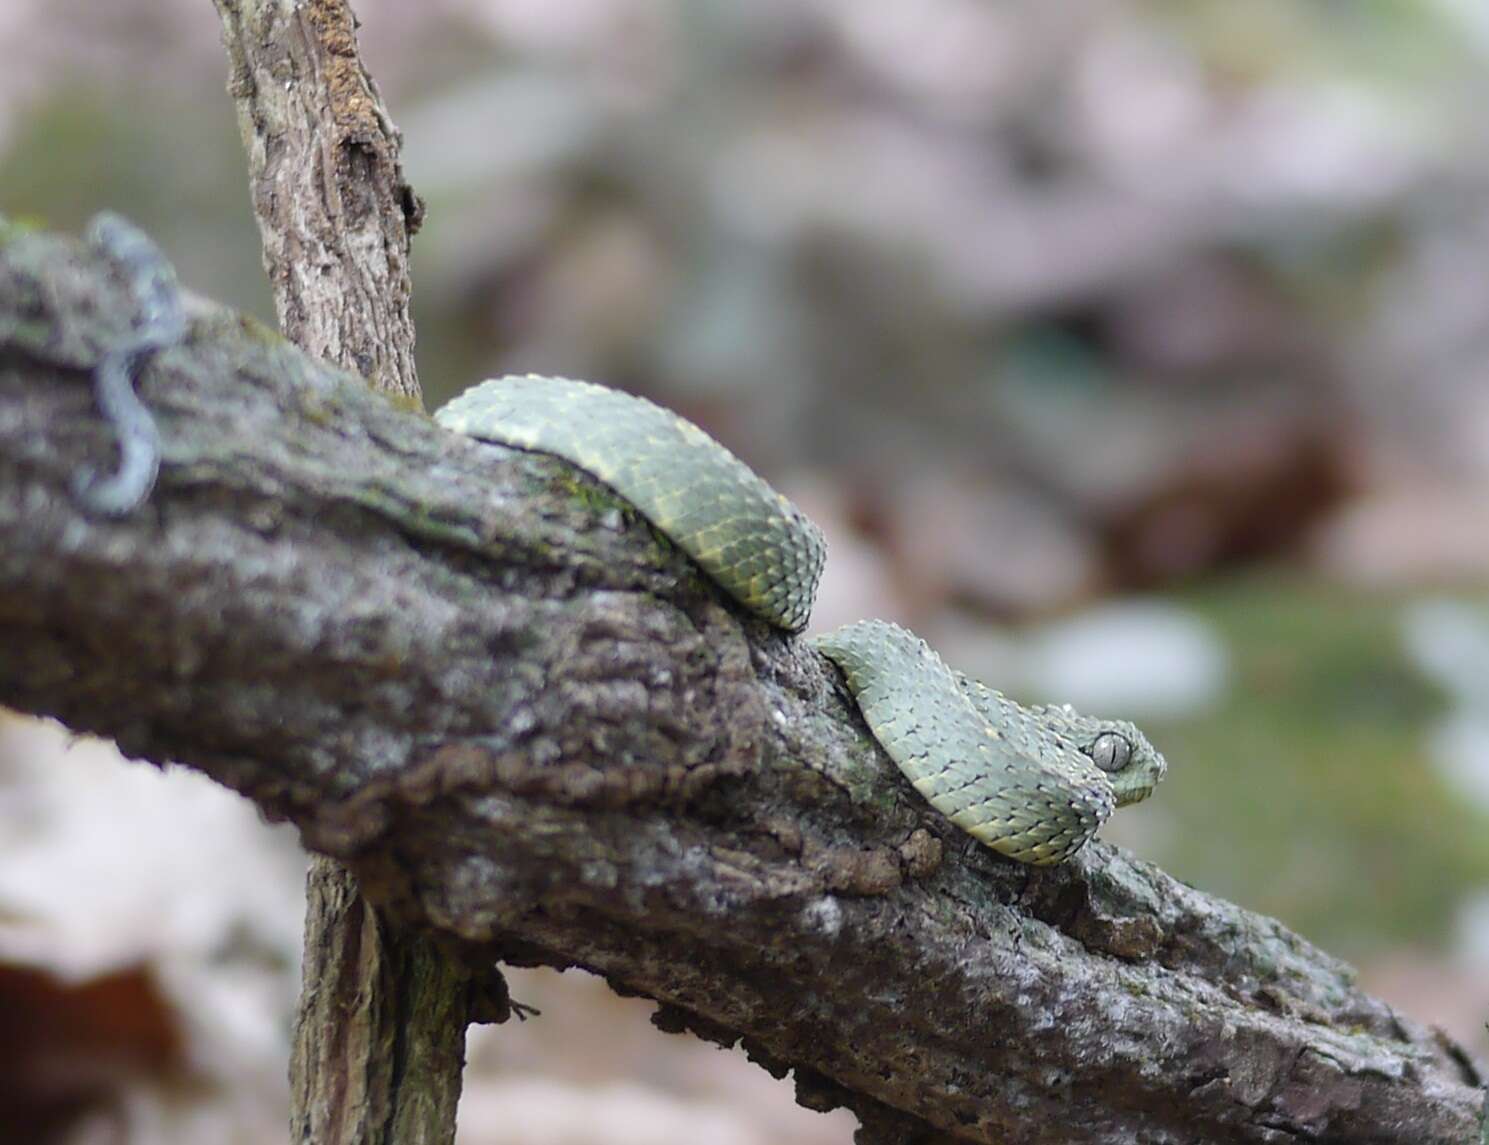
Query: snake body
[
  {"x": 1023, "y": 780},
  {"x": 1033, "y": 783},
  {"x": 750, "y": 540}
]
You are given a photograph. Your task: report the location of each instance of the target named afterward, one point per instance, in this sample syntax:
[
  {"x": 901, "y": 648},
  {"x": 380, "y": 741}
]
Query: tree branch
[
  {"x": 528, "y": 725},
  {"x": 334, "y": 211}
]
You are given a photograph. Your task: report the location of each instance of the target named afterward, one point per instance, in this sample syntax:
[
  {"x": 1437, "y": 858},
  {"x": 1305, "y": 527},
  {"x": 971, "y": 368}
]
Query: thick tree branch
[{"x": 527, "y": 724}]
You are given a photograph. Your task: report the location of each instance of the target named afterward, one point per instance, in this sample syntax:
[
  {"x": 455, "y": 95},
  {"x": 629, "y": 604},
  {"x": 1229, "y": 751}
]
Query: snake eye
[{"x": 1110, "y": 752}]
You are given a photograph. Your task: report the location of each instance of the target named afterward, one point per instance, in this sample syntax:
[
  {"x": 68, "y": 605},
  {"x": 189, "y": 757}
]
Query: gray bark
[
  {"x": 530, "y": 727},
  {"x": 379, "y": 1037},
  {"x": 334, "y": 211}
]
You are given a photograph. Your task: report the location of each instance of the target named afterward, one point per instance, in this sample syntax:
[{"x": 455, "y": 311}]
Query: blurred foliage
[
  {"x": 1400, "y": 43},
  {"x": 173, "y": 166},
  {"x": 1308, "y": 793}
]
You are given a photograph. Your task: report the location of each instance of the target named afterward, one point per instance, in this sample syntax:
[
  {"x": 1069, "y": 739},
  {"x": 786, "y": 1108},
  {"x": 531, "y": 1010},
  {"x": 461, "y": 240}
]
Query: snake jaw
[
  {"x": 1136, "y": 779},
  {"x": 1145, "y": 767}
]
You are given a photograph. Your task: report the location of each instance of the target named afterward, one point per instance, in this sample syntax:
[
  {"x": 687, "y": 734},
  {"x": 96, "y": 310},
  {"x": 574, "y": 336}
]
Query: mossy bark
[{"x": 530, "y": 728}]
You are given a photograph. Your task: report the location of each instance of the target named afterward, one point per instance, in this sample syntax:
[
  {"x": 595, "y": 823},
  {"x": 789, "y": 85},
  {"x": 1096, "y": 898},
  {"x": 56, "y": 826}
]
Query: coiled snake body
[{"x": 1033, "y": 783}]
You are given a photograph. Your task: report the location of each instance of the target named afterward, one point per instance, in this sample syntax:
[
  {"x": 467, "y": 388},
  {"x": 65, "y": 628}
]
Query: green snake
[{"x": 1032, "y": 783}]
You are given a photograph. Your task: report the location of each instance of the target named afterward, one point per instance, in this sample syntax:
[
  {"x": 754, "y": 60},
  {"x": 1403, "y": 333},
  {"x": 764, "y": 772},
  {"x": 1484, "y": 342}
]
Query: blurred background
[{"x": 1135, "y": 352}]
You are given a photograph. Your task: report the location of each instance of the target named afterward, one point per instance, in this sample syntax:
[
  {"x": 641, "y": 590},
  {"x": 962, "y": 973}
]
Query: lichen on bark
[{"x": 530, "y": 728}]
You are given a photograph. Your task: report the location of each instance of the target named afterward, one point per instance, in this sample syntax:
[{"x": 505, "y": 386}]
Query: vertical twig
[
  {"x": 334, "y": 212},
  {"x": 379, "y": 1039},
  {"x": 380, "y": 1033}
]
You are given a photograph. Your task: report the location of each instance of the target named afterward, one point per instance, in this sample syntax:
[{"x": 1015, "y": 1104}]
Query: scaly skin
[
  {"x": 1018, "y": 779},
  {"x": 752, "y": 542},
  {"x": 1023, "y": 781}
]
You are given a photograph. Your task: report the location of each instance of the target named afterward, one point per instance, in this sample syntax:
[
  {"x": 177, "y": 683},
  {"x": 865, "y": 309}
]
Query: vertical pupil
[{"x": 1110, "y": 752}]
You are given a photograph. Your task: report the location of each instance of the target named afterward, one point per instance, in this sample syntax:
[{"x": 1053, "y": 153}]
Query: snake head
[{"x": 1124, "y": 755}]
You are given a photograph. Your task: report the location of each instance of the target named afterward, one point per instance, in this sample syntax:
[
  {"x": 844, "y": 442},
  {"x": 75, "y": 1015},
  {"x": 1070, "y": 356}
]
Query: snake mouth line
[{"x": 1136, "y": 796}]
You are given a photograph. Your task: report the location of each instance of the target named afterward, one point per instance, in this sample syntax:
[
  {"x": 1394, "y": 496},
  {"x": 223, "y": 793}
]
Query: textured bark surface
[
  {"x": 373, "y": 1024},
  {"x": 525, "y": 723},
  {"x": 334, "y": 211},
  {"x": 380, "y": 1031}
]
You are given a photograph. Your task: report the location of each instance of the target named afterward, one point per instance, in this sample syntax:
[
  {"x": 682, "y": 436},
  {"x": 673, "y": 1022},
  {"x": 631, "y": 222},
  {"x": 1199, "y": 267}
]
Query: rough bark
[
  {"x": 334, "y": 211},
  {"x": 529, "y": 726},
  {"x": 373, "y": 1040},
  {"x": 380, "y": 1031}
]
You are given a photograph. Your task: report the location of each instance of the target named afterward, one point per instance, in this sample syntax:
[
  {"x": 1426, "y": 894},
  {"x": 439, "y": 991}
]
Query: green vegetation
[{"x": 1309, "y": 794}]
